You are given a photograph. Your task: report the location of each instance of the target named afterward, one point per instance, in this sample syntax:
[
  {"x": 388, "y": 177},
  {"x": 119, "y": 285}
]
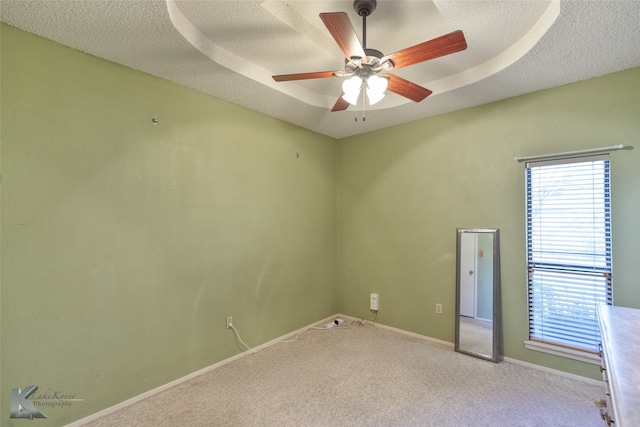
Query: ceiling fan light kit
[
  {"x": 376, "y": 86},
  {"x": 370, "y": 67}
]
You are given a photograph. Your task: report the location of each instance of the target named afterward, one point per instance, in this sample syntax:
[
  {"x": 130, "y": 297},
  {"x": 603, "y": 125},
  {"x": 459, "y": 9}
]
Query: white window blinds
[{"x": 568, "y": 249}]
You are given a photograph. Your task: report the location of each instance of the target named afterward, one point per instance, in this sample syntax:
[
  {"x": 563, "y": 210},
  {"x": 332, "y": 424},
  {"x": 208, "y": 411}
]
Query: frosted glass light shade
[
  {"x": 378, "y": 84},
  {"x": 351, "y": 89},
  {"x": 375, "y": 89},
  {"x": 374, "y": 97}
]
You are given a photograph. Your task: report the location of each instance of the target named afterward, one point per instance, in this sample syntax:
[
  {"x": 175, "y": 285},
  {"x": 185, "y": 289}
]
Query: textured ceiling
[{"x": 230, "y": 49}]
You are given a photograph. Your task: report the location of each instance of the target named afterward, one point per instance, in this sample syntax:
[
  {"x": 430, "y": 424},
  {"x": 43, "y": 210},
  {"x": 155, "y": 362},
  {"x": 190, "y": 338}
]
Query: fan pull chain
[{"x": 364, "y": 100}]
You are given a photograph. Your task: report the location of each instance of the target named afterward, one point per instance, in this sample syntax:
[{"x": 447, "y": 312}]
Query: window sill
[{"x": 569, "y": 353}]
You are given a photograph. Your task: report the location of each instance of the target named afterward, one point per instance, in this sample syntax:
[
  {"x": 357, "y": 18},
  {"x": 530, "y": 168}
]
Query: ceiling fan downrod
[{"x": 364, "y": 8}]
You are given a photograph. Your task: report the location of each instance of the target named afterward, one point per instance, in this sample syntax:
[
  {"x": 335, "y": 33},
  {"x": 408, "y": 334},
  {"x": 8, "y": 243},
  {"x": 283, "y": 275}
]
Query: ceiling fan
[{"x": 369, "y": 68}]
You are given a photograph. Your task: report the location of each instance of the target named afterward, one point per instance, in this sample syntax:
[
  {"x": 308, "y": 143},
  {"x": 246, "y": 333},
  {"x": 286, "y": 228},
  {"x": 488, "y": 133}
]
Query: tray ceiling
[{"x": 230, "y": 49}]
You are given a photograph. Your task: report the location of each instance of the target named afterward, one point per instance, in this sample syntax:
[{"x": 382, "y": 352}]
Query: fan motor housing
[
  {"x": 373, "y": 52},
  {"x": 364, "y": 7}
]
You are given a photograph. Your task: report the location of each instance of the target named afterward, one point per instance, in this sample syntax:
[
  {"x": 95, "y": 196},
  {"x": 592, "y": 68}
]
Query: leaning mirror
[{"x": 478, "y": 293}]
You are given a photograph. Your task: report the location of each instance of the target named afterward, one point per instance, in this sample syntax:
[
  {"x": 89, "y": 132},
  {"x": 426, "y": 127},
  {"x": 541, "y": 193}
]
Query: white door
[{"x": 468, "y": 245}]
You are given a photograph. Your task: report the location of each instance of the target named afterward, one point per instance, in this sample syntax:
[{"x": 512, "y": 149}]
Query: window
[{"x": 568, "y": 250}]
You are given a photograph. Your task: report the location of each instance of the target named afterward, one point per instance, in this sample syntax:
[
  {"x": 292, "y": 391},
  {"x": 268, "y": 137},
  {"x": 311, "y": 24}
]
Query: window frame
[{"x": 549, "y": 346}]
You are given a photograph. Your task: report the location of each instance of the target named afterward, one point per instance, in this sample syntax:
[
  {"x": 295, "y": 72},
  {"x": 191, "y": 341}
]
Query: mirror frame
[{"x": 495, "y": 356}]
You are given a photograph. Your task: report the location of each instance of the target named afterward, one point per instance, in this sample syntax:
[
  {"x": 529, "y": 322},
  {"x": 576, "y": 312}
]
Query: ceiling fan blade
[
  {"x": 406, "y": 88},
  {"x": 340, "y": 104},
  {"x": 344, "y": 34},
  {"x": 305, "y": 76},
  {"x": 441, "y": 46}
]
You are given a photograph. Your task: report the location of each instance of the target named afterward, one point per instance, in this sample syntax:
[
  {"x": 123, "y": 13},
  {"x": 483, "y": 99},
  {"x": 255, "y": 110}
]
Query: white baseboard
[{"x": 138, "y": 398}]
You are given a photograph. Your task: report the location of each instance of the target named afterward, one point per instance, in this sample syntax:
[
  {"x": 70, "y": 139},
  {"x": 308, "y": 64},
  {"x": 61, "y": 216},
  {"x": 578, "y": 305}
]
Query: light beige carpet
[{"x": 366, "y": 376}]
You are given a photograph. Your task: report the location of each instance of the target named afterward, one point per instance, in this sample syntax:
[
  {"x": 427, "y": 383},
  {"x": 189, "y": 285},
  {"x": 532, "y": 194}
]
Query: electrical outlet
[
  {"x": 229, "y": 322},
  {"x": 438, "y": 308},
  {"x": 374, "y": 302}
]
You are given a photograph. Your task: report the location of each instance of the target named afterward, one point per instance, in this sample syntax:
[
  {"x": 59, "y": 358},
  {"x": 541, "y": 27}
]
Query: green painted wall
[
  {"x": 125, "y": 245},
  {"x": 403, "y": 191}
]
